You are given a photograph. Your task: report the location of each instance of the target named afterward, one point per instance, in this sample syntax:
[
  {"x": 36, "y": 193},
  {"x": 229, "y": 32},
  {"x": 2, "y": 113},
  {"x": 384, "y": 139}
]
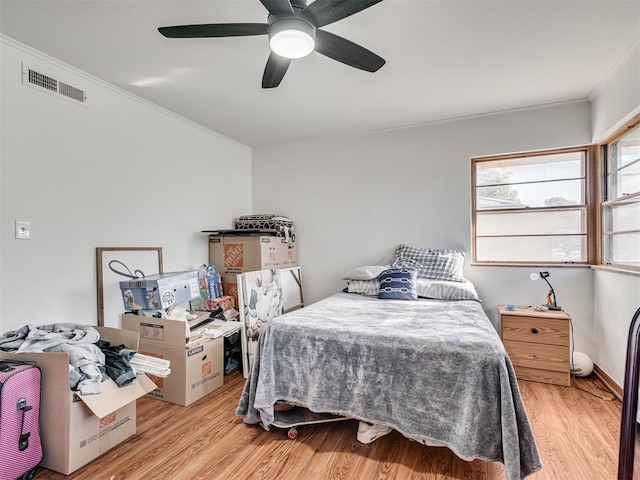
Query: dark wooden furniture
[{"x": 630, "y": 402}]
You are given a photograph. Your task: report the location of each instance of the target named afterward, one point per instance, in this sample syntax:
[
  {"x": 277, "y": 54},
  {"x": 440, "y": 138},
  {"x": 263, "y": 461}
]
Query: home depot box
[
  {"x": 237, "y": 254},
  {"x": 160, "y": 291},
  {"x": 230, "y": 286},
  {"x": 196, "y": 364},
  {"x": 76, "y": 429}
]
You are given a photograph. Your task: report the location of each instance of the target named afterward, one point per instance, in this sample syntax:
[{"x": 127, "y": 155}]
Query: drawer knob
[{"x": 534, "y": 330}]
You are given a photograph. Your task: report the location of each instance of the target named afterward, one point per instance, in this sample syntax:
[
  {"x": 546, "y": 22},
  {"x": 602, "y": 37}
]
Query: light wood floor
[{"x": 577, "y": 436}]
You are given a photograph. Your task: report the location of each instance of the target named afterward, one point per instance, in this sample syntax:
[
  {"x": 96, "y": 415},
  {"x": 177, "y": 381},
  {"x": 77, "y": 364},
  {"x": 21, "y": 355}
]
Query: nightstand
[{"x": 538, "y": 344}]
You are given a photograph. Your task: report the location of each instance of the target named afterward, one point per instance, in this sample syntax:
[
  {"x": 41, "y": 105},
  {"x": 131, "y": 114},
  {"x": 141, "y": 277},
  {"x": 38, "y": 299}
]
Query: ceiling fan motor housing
[{"x": 292, "y": 32}]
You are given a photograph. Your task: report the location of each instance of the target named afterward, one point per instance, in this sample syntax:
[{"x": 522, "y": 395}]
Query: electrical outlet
[{"x": 23, "y": 230}]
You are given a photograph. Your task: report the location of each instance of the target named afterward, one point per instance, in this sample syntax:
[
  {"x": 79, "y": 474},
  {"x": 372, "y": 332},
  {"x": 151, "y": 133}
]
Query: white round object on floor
[{"x": 582, "y": 364}]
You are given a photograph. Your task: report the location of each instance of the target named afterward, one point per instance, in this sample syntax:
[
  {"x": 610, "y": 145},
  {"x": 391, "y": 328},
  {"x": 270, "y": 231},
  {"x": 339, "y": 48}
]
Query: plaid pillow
[
  {"x": 398, "y": 284},
  {"x": 433, "y": 263}
]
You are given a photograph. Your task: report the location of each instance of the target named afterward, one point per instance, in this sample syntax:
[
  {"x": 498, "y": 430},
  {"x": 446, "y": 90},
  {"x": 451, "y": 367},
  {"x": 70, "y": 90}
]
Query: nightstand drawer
[
  {"x": 535, "y": 330},
  {"x": 544, "y": 376},
  {"x": 538, "y": 355}
]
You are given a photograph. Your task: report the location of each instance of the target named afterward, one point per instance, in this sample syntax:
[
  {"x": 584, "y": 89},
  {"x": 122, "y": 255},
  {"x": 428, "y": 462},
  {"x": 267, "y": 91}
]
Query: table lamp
[{"x": 551, "y": 296}]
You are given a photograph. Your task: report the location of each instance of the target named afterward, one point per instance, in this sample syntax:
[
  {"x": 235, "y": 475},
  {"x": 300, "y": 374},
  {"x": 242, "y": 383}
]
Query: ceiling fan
[{"x": 294, "y": 31}]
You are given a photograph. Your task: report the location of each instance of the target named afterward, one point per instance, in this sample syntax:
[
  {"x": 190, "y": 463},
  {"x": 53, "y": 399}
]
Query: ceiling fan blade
[
  {"x": 324, "y": 12},
  {"x": 347, "y": 52},
  {"x": 274, "y": 70},
  {"x": 278, "y": 7},
  {"x": 215, "y": 30}
]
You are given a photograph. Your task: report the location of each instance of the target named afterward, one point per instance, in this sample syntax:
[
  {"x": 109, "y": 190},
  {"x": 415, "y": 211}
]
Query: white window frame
[{"x": 587, "y": 208}]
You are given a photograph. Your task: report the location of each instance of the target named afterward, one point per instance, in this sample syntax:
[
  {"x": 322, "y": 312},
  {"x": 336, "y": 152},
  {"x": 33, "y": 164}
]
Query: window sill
[
  {"x": 633, "y": 273},
  {"x": 531, "y": 265}
]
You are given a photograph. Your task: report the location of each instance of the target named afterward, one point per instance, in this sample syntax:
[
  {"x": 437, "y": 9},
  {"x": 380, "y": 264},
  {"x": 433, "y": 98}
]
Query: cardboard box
[
  {"x": 196, "y": 364},
  {"x": 160, "y": 291},
  {"x": 76, "y": 429},
  {"x": 230, "y": 287},
  {"x": 237, "y": 254}
]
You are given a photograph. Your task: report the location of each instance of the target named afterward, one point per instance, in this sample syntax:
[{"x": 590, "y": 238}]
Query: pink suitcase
[{"x": 20, "y": 446}]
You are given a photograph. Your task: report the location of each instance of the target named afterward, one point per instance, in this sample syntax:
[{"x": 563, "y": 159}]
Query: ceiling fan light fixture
[{"x": 292, "y": 37}]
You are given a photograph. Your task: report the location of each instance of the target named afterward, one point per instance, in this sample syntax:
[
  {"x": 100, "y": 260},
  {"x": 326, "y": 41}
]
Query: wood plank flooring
[{"x": 577, "y": 436}]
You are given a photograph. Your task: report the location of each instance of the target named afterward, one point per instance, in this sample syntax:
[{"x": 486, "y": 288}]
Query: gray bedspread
[{"x": 434, "y": 370}]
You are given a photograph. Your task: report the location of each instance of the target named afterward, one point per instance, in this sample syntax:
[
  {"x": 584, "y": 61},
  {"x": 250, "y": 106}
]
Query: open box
[
  {"x": 75, "y": 429},
  {"x": 196, "y": 363}
]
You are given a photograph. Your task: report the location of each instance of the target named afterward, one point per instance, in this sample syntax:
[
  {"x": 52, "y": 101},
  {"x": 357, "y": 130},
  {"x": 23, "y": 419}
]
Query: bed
[{"x": 434, "y": 370}]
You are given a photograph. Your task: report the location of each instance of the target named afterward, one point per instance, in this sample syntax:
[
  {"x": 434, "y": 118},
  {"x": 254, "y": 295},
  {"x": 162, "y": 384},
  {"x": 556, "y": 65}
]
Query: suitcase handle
[
  {"x": 5, "y": 367},
  {"x": 23, "y": 440}
]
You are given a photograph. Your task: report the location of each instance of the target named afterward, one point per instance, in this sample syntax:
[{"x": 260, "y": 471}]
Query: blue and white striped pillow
[{"x": 398, "y": 284}]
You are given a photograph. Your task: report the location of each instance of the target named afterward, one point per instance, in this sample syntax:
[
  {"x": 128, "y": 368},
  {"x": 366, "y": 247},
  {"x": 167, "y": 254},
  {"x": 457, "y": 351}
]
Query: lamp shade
[{"x": 292, "y": 37}]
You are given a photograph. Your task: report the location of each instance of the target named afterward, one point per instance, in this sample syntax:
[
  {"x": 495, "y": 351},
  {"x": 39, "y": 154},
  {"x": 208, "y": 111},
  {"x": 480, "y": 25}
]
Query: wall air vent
[
  {"x": 39, "y": 80},
  {"x": 43, "y": 81},
  {"x": 71, "y": 92}
]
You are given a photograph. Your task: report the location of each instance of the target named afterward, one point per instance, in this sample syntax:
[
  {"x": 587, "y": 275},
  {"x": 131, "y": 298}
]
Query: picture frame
[
  {"x": 138, "y": 261},
  {"x": 262, "y": 296},
  {"x": 259, "y": 300}
]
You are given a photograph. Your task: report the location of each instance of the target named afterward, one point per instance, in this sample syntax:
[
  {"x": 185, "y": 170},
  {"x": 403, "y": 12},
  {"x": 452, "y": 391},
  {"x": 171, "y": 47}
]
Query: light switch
[{"x": 23, "y": 230}]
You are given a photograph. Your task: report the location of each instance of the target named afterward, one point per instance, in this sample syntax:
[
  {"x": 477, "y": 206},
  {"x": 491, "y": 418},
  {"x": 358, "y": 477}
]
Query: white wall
[
  {"x": 354, "y": 200},
  {"x": 118, "y": 172},
  {"x": 617, "y": 99},
  {"x": 616, "y": 295}
]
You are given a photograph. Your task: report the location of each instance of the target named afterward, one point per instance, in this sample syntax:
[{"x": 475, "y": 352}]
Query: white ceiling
[{"x": 445, "y": 59}]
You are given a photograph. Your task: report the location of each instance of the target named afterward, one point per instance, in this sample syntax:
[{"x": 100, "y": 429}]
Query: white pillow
[
  {"x": 364, "y": 287},
  {"x": 445, "y": 290},
  {"x": 368, "y": 272}
]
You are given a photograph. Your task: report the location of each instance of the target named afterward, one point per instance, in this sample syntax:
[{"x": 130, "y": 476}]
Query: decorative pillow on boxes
[
  {"x": 398, "y": 284},
  {"x": 432, "y": 263}
]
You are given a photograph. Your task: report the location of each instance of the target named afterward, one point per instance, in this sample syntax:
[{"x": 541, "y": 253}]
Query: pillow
[
  {"x": 365, "y": 287},
  {"x": 433, "y": 263},
  {"x": 398, "y": 284},
  {"x": 443, "y": 290},
  {"x": 368, "y": 272}
]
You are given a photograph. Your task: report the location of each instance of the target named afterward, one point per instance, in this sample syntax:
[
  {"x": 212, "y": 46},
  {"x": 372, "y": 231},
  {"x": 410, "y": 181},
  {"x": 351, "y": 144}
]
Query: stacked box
[
  {"x": 196, "y": 364},
  {"x": 245, "y": 253}
]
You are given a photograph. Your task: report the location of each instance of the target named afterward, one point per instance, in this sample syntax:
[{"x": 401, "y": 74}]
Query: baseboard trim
[{"x": 608, "y": 382}]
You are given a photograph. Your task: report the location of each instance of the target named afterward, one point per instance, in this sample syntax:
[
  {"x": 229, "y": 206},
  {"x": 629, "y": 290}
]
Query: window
[
  {"x": 531, "y": 208},
  {"x": 621, "y": 206}
]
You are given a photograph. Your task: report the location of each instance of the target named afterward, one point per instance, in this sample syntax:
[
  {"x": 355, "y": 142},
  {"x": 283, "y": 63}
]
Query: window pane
[
  {"x": 569, "y": 248},
  {"x": 530, "y": 169},
  {"x": 622, "y": 249},
  {"x": 623, "y": 173},
  {"x": 625, "y": 181},
  {"x": 625, "y": 150},
  {"x": 532, "y": 195},
  {"x": 532, "y": 223},
  {"x": 624, "y": 215}
]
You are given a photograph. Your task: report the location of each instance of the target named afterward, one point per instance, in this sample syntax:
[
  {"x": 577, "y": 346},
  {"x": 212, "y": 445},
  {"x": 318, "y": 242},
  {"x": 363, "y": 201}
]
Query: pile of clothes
[{"x": 91, "y": 360}]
